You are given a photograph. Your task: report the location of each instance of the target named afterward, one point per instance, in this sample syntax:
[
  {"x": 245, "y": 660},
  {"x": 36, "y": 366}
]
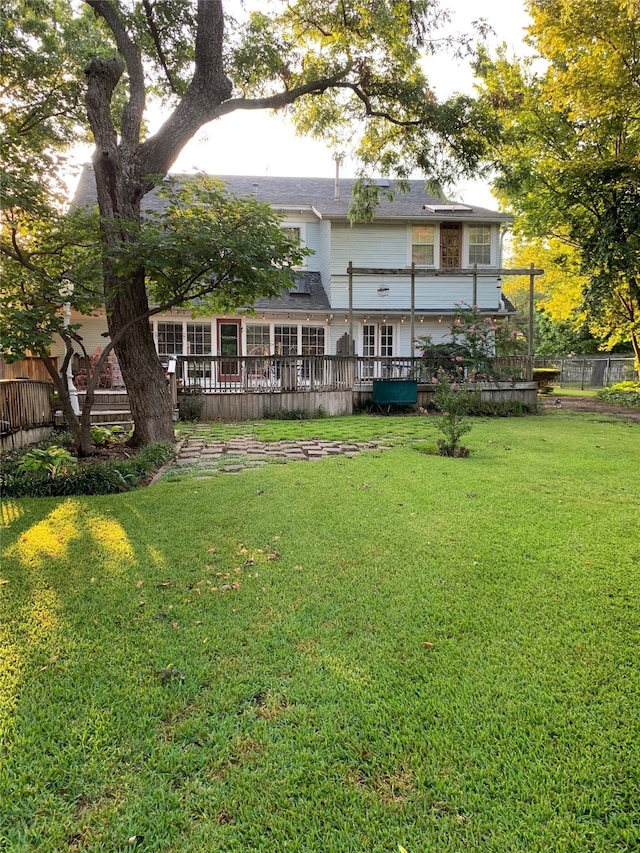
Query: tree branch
[
  {"x": 134, "y": 110},
  {"x": 148, "y": 10}
]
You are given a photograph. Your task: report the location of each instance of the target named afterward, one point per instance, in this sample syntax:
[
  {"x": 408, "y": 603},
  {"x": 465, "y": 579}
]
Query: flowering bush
[{"x": 476, "y": 342}]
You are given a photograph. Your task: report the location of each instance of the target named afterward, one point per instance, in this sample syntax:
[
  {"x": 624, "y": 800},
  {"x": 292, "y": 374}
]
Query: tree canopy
[
  {"x": 568, "y": 157},
  {"x": 347, "y": 72}
]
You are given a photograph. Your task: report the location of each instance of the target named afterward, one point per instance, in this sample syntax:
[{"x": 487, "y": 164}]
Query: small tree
[
  {"x": 453, "y": 402},
  {"x": 204, "y": 249}
]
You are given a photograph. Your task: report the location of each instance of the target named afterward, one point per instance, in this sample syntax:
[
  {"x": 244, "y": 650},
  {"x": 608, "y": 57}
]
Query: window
[
  {"x": 422, "y": 245},
  {"x": 258, "y": 339},
  {"x": 286, "y": 340},
  {"x": 199, "y": 338},
  {"x": 169, "y": 338},
  {"x": 312, "y": 340},
  {"x": 480, "y": 244},
  {"x": 386, "y": 341},
  {"x": 293, "y": 232}
]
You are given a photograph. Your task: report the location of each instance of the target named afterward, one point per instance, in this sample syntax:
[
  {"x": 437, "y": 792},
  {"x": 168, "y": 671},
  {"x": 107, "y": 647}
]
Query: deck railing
[
  {"x": 278, "y": 373},
  {"x": 264, "y": 373}
]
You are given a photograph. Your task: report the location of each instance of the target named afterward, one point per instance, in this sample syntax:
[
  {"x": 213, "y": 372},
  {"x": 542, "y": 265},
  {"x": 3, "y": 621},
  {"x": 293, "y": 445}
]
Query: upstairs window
[
  {"x": 293, "y": 232},
  {"x": 423, "y": 239},
  {"x": 480, "y": 245}
]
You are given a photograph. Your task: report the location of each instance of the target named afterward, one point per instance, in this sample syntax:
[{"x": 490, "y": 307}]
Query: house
[{"x": 379, "y": 304}]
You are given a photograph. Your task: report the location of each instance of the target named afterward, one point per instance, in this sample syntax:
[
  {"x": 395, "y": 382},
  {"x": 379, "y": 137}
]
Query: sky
[
  {"x": 262, "y": 143},
  {"x": 252, "y": 143}
]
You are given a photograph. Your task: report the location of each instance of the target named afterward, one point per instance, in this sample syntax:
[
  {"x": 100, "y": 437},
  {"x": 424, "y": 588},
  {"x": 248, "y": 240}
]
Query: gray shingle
[{"x": 319, "y": 193}]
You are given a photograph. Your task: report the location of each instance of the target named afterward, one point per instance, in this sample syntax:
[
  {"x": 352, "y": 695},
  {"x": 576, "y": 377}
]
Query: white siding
[
  {"x": 310, "y": 235},
  {"x": 367, "y": 245},
  {"x": 90, "y": 332},
  {"x": 393, "y": 293},
  {"x": 323, "y": 256}
]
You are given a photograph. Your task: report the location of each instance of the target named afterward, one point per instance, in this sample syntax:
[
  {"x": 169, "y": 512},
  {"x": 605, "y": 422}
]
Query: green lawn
[{"x": 343, "y": 655}]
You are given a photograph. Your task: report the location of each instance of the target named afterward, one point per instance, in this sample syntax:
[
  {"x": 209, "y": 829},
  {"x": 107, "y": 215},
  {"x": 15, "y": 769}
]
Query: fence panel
[
  {"x": 590, "y": 371},
  {"x": 24, "y": 404}
]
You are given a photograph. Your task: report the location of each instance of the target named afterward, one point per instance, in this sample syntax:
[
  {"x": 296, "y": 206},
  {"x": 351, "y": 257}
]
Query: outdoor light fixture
[
  {"x": 421, "y": 319},
  {"x": 439, "y": 319}
]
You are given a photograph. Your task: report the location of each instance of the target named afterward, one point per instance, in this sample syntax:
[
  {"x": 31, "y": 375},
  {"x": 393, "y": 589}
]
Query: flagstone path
[{"x": 236, "y": 454}]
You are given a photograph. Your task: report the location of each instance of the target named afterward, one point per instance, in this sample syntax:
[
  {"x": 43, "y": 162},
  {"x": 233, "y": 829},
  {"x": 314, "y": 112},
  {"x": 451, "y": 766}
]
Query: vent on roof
[
  {"x": 447, "y": 208},
  {"x": 300, "y": 284},
  {"x": 383, "y": 182}
]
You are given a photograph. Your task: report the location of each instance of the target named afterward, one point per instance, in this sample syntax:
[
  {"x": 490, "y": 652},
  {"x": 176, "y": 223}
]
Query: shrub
[
  {"x": 622, "y": 394},
  {"x": 454, "y": 402},
  {"x": 101, "y": 435},
  {"x": 190, "y": 407},
  {"x": 85, "y": 478},
  {"x": 52, "y": 460},
  {"x": 545, "y": 377},
  {"x": 287, "y": 415}
]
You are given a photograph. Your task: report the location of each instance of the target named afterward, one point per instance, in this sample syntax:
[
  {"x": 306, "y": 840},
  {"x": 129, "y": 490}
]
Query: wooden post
[
  {"x": 351, "y": 346},
  {"x": 474, "y": 292},
  {"x": 412, "y": 329},
  {"x": 532, "y": 279}
]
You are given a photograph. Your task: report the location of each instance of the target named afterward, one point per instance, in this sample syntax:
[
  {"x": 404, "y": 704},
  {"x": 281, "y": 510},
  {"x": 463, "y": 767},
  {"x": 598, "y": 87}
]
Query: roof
[
  {"x": 315, "y": 300},
  {"x": 317, "y": 195}
]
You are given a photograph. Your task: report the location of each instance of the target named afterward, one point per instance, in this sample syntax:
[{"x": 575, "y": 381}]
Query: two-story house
[{"x": 380, "y": 306}]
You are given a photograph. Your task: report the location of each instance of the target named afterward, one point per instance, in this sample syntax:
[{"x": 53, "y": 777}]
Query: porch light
[
  {"x": 346, "y": 319},
  {"x": 421, "y": 318},
  {"x": 439, "y": 319},
  {"x": 402, "y": 319}
]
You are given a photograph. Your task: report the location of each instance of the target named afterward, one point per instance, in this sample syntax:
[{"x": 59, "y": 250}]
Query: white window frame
[
  {"x": 469, "y": 244},
  {"x": 436, "y": 243}
]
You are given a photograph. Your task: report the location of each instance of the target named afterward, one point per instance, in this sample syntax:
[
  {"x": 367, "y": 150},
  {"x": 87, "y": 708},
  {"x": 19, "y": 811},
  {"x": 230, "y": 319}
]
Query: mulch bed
[{"x": 588, "y": 404}]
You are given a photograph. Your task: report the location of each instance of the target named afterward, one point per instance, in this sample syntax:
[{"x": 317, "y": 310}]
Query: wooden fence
[
  {"x": 30, "y": 367},
  {"x": 26, "y": 414}
]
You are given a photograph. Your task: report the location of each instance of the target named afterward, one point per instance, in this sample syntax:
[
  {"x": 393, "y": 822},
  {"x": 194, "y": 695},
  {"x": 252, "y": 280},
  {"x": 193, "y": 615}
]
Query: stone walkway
[{"x": 236, "y": 454}]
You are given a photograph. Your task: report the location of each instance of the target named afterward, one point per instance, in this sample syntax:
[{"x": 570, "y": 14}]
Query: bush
[
  {"x": 287, "y": 415},
  {"x": 545, "y": 377},
  {"x": 453, "y": 401},
  {"x": 85, "y": 478},
  {"x": 51, "y": 461},
  {"x": 622, "y": 394},
  {"x": 101, "y": 435},
  {"x": 190, "y": 407}
]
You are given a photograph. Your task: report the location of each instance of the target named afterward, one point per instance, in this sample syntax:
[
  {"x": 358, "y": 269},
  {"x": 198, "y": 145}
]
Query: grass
[{"x": 344, "y": 655}]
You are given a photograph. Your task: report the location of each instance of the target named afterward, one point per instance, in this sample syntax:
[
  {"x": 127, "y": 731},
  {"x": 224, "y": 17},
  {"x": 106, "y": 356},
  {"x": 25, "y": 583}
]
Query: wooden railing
[
  {"x": 24, "y": 404},
  {"x": 277, "y": 373},
  {"x": 264, "y": 374}
]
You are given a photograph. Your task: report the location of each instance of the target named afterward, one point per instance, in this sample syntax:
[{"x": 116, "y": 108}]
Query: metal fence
[{"x": 590, "y": 371}]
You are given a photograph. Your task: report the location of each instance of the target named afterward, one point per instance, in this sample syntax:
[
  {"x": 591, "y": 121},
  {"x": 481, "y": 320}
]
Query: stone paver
[{"x": 195, "y": 450}]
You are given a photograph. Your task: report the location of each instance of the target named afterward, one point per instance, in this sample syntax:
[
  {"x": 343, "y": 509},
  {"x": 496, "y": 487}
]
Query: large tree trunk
[{"x": 143, "y": 376}]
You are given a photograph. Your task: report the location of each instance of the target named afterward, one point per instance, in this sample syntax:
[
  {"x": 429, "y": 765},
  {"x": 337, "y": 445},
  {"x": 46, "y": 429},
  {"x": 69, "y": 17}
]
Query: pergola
[{"x": 413, "y": 272}]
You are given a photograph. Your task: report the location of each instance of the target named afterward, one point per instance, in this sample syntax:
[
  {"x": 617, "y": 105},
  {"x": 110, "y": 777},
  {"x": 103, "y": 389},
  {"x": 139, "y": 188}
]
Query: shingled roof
[{"x": 318, "y": 195}]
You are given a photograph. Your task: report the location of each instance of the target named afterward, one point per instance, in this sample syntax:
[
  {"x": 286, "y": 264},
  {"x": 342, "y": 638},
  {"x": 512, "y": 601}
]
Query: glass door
[
  {"x": 450, "y": 242},
  {"x": 229, "y": 368}
]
